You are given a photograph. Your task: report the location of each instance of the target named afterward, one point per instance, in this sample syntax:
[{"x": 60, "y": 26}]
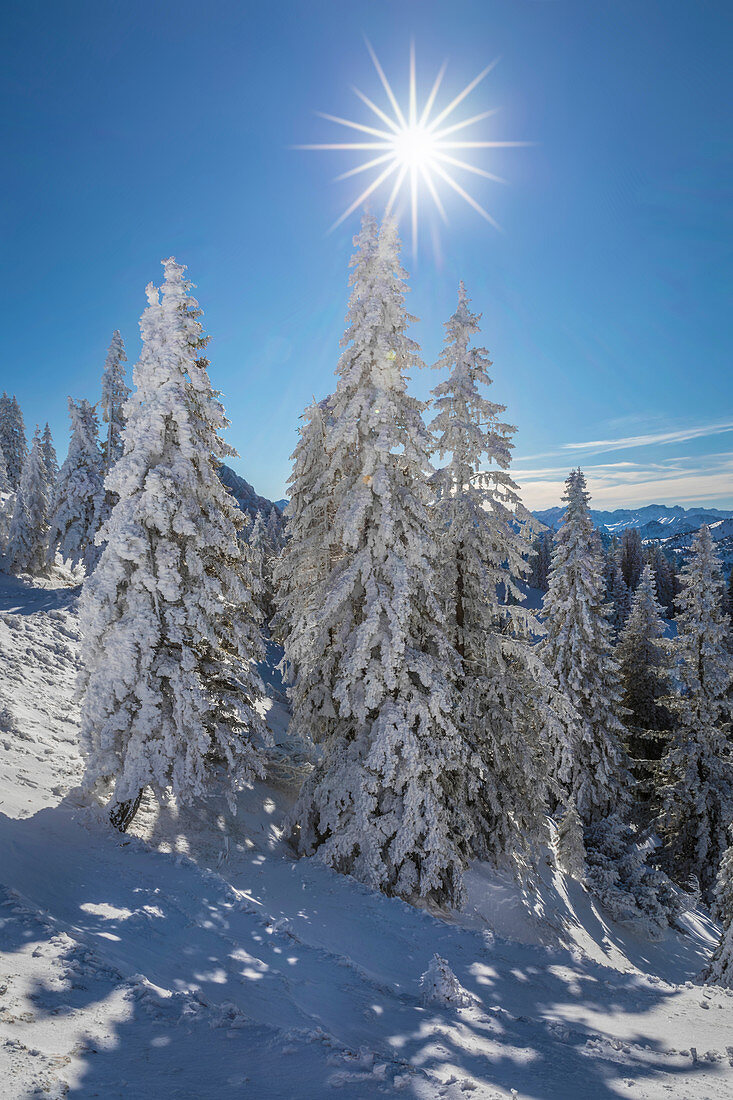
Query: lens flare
[{"x": 414, "y": 149}]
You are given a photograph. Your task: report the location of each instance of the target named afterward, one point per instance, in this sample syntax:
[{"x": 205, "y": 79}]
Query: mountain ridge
[{"x": 654, "y": 521}]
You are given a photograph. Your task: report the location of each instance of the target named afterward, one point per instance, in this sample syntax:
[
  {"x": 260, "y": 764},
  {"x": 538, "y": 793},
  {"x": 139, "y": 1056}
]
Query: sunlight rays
[{"x": 415, "y": 145}]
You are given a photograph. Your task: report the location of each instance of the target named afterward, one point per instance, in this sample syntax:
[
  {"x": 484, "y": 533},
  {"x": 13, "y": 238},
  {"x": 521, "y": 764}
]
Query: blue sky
[{"x": 139, "y": 130}]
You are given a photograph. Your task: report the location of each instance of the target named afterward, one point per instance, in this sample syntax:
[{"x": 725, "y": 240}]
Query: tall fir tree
[
  {"x": 304, "y": 566},
  {"x": 590, "y": 763},
  {"x": 50, "y": 460},
  {"x": 644, "y": 667},
  {"x": 698, "y": 797},
  {"x": 644, "y": 663},
  {"x": 541, "y": 561},
  {"x": 719, "y": 970},
  {"x": 12, "y": 438},
  {"x": 664, "y": 579},
  {"x": 274, "y": 530},
  {"x": 26, "y": 552},
  {"x": 79, "y": 493},
  {"x": 632, "y": 557},
  {"x": 5, "y": 486},
  {"x": 502, "y": 689},
  {"x": 169, "y": 626},
  {"x": 262, "y": 555},
  {"x": 616, "y": 591},
  {"x": 114, "y": 395},
  {"x": 380, "y": 803},
  {"x": 6, "y": 509}
]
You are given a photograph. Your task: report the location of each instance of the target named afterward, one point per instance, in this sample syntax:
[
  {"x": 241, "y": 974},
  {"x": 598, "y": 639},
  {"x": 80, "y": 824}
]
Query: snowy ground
[{"x": 197, "y": 959}]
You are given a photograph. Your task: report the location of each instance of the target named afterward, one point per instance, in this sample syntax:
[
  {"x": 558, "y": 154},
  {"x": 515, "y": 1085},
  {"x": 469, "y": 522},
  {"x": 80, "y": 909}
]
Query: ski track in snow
[{"x": 199, "y": 960}]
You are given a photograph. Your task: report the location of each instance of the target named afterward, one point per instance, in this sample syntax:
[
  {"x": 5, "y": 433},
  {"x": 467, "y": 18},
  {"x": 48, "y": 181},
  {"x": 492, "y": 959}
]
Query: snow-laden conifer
[
  {"x": 26, "y": 552},
  {"x": 169, "y": 626},
  {"x": 440, "y": 986},
  {"x": 114, "y": 395},
  {"x": 698, "y": 797},
  {"x": 619, "y": 874},
  {"x": 50, "y": 460},
  {"x": 720, "y": 968},
  {"x": 503, "y": 690},
  {"x": 79, "y": 493},
  {"x": 571, "y": 853},
  {"x": 541, "y": 561},
  {"x": 274, "y": 530},
  {"x": 632, "y": 557},
  {"x": 262, "y": 561},
  {"x": 304, "y": 564},
  {"x": 617, "y": 592},
  {"x": 5, "y": 486},
  {"x": 664, "y": 580},
  {"x": 6, "y": 506},
  {"x": 380, "y": 804},
  {"x": 589, "y": 760},
  {"x": 12, "y": 438},
  {"x": 644, "y": 663}
]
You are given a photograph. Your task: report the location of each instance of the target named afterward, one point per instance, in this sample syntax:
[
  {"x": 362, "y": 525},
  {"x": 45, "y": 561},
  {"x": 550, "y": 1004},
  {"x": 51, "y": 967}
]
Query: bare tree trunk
[{"x": 122, "y": 813}]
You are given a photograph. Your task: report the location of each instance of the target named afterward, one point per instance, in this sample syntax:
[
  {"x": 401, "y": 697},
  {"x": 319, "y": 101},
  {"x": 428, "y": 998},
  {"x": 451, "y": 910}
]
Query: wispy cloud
[
  {"x": 705, "y": 479},
  {"x": 680, "y": 435}
]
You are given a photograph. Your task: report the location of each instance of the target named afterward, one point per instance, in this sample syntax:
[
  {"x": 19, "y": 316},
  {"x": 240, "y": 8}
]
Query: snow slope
[{"x": 197, "y": 959}]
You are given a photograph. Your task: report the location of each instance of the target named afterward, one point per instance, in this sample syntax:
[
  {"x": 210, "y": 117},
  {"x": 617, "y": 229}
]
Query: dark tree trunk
[{"x": 122, "y": 813}]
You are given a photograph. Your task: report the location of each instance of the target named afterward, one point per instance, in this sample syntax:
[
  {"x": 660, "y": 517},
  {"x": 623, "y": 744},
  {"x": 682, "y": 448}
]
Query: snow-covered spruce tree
[
  {"x": 50, "y": 460},
  {"x": 26, "y": 552},
  {"x": 114, "y": 395},
  {"x": 616, "y": 592},
  {"x": 720, "y": 968},
  {"x": 380, "y": 803},
  {"x": 304, "y": 565},
  {"x": 644, "y": 667},
  {"x": 503, "y": 691},
  {"x": 169, "y": 628},
  {"x": 6, "y": 506},
  {"x": 697, "y": 802},
  {"x": 571, "y": 854},
  {"x": 12, "y": 438},
  {"x": 79, "y": 493},
  {"x": 541, "y": 560},
  {"x": 275, "y": 531},
  {"x": 632, "y": 557},
  {"x": 618, "y": 873},
  {"x": 5, "y": 486},
  {"x": 664, "y": 579},
  {"x": 590, "y": 763},
  {"x": 262, "y": 560}
]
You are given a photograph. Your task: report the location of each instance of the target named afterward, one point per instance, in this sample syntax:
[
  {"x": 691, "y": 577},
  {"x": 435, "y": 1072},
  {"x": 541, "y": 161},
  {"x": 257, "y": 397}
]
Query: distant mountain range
[
  {"x": 673, "y": 527},
  {"x": 654, "y": 521},
  {"x": 246, "y": 497}
]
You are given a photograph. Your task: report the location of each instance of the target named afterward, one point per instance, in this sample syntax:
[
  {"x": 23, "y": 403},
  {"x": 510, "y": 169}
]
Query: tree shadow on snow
[
  {"x": 23, "y": 597},
  {"x": 188, "y": 989}
]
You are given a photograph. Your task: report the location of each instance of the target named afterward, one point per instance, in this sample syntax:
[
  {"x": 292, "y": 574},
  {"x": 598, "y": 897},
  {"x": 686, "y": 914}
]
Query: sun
[{"x": 415, "y": 147}]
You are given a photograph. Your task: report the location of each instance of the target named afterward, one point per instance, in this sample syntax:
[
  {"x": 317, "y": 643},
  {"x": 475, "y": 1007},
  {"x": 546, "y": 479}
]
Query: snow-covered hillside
[{"x": 198, "y": 959}]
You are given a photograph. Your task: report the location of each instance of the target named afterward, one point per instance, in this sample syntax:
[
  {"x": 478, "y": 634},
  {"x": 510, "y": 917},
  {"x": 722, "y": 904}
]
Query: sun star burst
[{"x": 414, "y": 146}]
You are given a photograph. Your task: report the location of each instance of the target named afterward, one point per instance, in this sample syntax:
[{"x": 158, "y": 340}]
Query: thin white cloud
[
  {"x": 708, "y": 479},
  {"x": 681, "y": 435}
]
